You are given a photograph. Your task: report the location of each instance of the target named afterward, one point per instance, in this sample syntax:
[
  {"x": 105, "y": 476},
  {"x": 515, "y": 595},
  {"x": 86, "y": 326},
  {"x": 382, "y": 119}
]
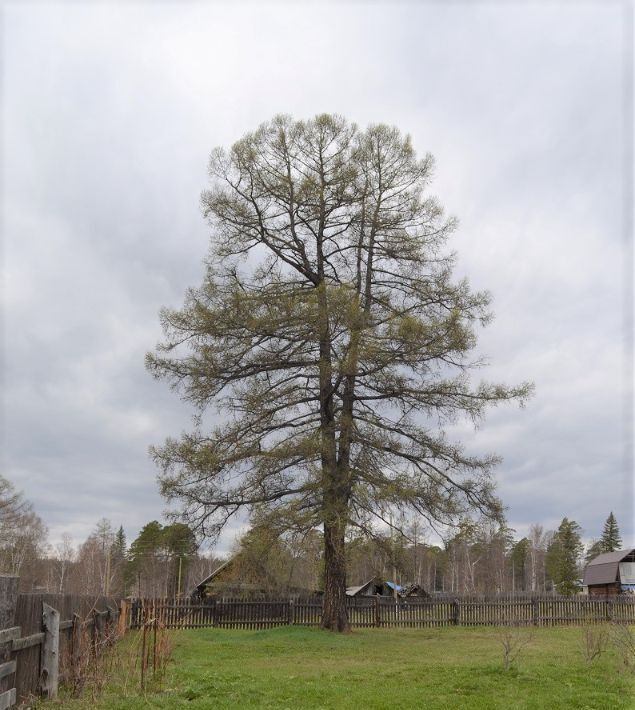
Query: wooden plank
[
  {"x": 50, "y": 657},
  {"x": 27, "y": 642},
  {"x": 76, "y": 650},
  {"x": 10, "y": 634},
  {"x": 7, "y": 668},
  {"x": 7, "y": 699},
  {"x": 122, "y": 622},
  {"x": 67, "y": 624}
]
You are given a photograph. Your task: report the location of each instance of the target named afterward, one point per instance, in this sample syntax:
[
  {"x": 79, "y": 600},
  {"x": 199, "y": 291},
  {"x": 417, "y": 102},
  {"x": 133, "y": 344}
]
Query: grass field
[{"x": 295, "y": 667}]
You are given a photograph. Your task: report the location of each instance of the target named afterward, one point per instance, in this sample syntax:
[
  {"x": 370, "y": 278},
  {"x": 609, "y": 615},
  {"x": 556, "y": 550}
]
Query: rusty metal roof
[{"x": 603, "y": 568}]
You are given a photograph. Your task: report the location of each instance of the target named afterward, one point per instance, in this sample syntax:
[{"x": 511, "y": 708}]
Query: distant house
[
  {"x": 234, "y": 578},
  {"x": 384, "y": 588},
  {"x": 371, "y": 588},
  {"x": 414, "y": 590},
  {"x": 221, "y": 577},
  {"x": 611, "y": 573}
]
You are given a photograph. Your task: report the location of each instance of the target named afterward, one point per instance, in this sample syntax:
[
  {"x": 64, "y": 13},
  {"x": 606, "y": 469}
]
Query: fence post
[
  {"x": 534, "y": 611},
  {"x": 456, "y": 615},
  {"x": 50, "y": 657},
  {"x": 8, "y": 602},
  {"x": 609, "y": 609},
  {"x": 76, "y": 653},
  {"x": 143, "y": 652},
  {"x": 154, "y": 646},
  {"x": 112, "y": 622},
  {"x": 122, "y": 622},
  {"x": 377, "y": 611},
  {"x": 290, "y": 613}
]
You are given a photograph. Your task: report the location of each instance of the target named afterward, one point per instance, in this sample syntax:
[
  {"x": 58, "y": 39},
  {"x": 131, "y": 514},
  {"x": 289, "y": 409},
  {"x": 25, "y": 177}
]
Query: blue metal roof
[{"x": 392, "y": 585}]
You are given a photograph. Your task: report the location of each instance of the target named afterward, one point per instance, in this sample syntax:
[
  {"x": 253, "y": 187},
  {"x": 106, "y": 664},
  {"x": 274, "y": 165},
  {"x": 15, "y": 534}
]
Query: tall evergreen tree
[
  {"x": 563, "y": 557},
  {"x": 331, "y": 332},
  {"x": 518, "y": 557},
  {"x": 119, "y": 563},
  {"x": 610, "y": 540}
]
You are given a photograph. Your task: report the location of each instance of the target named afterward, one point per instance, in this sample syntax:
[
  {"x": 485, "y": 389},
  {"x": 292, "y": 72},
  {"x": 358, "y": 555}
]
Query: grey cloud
[{"x": 109, "y": 114}]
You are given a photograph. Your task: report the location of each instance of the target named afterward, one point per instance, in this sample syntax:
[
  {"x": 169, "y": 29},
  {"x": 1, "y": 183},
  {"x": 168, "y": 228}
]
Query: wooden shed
[
  {"x": 379, "y": 587},
  {"x": 368, "y": 589},
  {"x": 235, "y": 579},
  {"x": 611, "y": 573}
]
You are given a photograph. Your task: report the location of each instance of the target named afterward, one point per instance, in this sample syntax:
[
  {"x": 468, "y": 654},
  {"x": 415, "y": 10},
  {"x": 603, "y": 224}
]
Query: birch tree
[{"x": 330, "y": 335}]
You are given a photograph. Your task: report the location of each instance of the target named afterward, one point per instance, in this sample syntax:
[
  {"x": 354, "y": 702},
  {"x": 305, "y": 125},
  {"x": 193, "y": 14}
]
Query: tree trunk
[{"x": 335, "y": 613}]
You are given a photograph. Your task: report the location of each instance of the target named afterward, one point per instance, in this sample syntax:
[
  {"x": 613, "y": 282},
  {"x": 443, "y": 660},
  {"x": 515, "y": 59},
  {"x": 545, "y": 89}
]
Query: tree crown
[{"x": 329, "y": 334}]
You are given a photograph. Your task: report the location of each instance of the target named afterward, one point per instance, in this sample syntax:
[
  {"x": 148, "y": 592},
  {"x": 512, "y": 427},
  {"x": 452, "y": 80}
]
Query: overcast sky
[{"x": 109, "y": 113}]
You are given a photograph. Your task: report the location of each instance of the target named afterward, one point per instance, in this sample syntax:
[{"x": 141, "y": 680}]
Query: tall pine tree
[
  {"x": 610, "y": 540},
  {"x": 563, "y": 555}
]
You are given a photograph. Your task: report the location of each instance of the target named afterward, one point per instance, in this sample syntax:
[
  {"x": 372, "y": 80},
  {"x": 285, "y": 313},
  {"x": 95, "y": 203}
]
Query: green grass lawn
[{"x": 296, "y": 667}]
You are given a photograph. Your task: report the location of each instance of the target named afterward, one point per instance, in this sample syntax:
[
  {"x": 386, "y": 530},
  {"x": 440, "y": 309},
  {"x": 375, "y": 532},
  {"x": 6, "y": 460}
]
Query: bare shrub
[
  {"x": 623, "y": 640},
  {"x": 87, "y": 667},
  {"x": 100, "y": 657},
  {"x": 513, "y": 637},
  {"x": 594, "y": 639}
]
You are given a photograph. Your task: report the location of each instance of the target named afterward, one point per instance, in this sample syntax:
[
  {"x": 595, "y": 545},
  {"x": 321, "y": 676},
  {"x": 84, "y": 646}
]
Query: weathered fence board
[
  {"x": 20, "y": 644},
  {"x": 7, "y": 699},
  {"x": 49, "y": 663},
  {"x": 9, "y": 634},
  {"x": 7, "y": 668}
]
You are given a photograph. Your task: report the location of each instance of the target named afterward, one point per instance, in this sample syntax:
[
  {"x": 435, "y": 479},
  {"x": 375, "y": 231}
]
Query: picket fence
[{"x": 381, "y": 612}]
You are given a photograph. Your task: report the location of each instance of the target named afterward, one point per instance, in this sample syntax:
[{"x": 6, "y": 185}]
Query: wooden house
[
  {"x": 611, "y": 573},
  {"x": 414, "y": 590},
  {"x": 236, "y": 579},
  {"x": 383, "y": 588},
  {"x": 371, "y": 588}
]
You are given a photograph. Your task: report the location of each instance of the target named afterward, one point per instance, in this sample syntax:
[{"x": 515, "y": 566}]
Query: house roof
[
  {"x": 354, "y": 591},
  {"x": 414, "y": 590},
  {"x": 201, "y": 585},
  {"x": 603, "y": 569}
]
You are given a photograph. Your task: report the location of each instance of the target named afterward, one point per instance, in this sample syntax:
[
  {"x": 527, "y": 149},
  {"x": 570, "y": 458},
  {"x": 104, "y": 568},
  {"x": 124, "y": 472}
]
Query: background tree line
[
  {"x": 476, "y": 557},
  {"x": 104, "y": 563}
]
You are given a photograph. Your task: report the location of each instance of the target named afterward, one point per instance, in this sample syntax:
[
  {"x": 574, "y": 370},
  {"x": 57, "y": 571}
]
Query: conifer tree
[
  {"x": 563, "y": 557},
  {"x": 330, "y": 334},
  {"x": 610, "y": 540},
  {"x": 119, "y": 563}
]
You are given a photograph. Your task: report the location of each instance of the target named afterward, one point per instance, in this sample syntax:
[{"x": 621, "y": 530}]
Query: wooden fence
[
  {"x": 381, "y": 612},
  {"x": 47, "y": 639}
]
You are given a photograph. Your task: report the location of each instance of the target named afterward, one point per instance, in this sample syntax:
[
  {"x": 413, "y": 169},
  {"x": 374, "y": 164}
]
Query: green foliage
[
  {"x": 119, "y": 546},
  {"x": 610, "y": 540},
  {"x": 563, "y": 557},
  {"x": 519, "y": 555},
  {"x": 158, "y": 550}
]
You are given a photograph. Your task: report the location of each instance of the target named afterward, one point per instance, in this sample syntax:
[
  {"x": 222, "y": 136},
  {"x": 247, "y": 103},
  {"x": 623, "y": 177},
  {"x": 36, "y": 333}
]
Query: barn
[{"x": 611, "y": 573}]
